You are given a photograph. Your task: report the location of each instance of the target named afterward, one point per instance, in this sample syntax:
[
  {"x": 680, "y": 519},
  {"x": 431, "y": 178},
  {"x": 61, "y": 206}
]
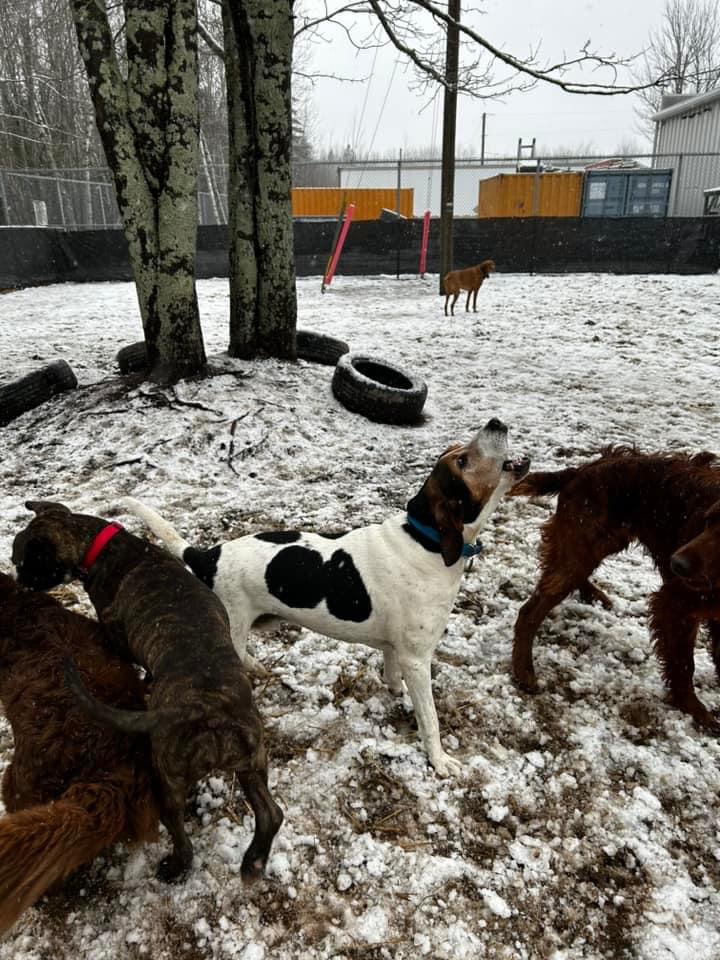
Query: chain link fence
[{"x": 84, "y": 198}]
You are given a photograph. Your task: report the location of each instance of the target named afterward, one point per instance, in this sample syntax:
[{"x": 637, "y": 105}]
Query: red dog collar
[{"x": 99, "y": 544}]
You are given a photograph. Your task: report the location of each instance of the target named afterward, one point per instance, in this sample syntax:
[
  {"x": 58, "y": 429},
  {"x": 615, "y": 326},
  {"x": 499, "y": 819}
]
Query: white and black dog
[{"x": 390, "y": 585}]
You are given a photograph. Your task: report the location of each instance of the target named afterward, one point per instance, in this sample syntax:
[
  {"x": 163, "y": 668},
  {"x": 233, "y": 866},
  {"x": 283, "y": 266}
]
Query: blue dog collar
[{"x": 469, "y": 550}]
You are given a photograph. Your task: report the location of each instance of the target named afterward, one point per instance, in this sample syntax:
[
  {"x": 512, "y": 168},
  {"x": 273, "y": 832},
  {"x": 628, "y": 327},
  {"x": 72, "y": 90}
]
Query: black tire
[
  {"x": 319, "y": 348},
  {"x": 35, "y": 388},
  {"x": 378, "y": 390},
  {"x": 133, "y": 357}
]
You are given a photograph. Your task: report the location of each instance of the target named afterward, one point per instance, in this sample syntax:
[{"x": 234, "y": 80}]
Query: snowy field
[{"x": 585, "y": 824}]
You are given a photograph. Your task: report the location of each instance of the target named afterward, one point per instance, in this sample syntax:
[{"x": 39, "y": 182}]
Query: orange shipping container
[
  {"x": 326, "y": 201},
  {"x": 530, "y": 195}
]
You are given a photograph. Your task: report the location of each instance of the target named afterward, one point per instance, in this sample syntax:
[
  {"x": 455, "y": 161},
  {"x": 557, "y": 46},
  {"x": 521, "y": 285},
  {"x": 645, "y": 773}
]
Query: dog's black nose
[
  {"x": 495, "y": 426},
  {"x": 680, "y": 565}
]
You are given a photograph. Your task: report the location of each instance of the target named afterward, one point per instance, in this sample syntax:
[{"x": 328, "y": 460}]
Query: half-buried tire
[
  {"x": 320, "y": 348},
  {"x": 35, "y": 388},
  {"x": 132, "y": 358},
  {"x": 378, "y": 390}
]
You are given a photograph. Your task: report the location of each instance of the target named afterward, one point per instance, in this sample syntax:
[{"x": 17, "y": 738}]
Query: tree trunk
[
  {"x": 258, "y": 57},
  {"x": 149, "y": 131}
]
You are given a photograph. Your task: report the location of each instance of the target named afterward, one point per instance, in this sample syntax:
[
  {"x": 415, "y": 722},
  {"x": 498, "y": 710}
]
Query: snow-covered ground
[{"x": 585, "y": 824}]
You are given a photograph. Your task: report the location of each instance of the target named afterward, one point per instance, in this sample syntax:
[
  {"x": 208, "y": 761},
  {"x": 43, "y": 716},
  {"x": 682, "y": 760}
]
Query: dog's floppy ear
[
  {"x": 448, "y": 516},
  {"x": 43, "y": 506},
  {"x": 37, "y": 564}
]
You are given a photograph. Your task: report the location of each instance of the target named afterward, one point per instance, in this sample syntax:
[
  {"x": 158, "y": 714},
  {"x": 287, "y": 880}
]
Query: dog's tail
[
  {"x": 159, "y": 525},
  {"x": 42, "y": 845},
  {"x": 126, "y": 721},
  {"x": 541, "y": 484}
]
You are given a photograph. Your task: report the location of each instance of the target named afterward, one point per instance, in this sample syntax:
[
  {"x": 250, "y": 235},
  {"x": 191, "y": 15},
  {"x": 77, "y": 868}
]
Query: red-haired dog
[
  {"x": 470, "y": 279},
  {"x": 670, "y": 503},
  {"x": 73, "y": 787}
]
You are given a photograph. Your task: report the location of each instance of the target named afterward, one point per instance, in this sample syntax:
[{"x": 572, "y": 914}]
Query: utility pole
[
  {"x": 447, "y": 182},
  {"x": 482, "y": 142}
]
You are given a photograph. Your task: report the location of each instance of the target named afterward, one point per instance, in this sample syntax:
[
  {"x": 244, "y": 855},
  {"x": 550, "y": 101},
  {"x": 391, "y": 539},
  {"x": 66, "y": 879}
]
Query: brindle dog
[{"x": 201, "y": 716}]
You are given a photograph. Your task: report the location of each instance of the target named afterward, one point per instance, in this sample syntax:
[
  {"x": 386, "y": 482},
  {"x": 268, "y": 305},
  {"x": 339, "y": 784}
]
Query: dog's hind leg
[
  {"x": 447, "y": 297},
  {"x": 551, "y": 590},
  {"x": 392, "y": 674},
  {"x": 171, "y": 799},
  {"x": 416, "y": 674},
  {"x": 714, "y": 634},
  {"x": 241, "y": 619},
  {"x": 566, "y": 563},
  {"x": 454, "y": 301},
  {"x": 467, "y": 302},
  {"x": 268, "y": 818},
  {"x": 530, "y": 616}
]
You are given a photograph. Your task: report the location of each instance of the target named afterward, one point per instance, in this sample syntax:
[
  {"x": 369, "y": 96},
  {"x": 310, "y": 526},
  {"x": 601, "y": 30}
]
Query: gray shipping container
[{"x": 626, "y": 193}]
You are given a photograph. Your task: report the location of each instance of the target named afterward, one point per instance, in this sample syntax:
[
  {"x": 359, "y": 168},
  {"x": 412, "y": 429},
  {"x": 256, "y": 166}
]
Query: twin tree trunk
[
  {"x": 148, "y": 125},
  {"x": 149, "y": 129},
  {"x": 258, "y": 58}
]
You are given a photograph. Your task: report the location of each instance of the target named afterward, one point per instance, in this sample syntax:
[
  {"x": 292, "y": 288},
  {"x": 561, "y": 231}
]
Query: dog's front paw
[
  {"x": 172, "y": 868},
  {"x": 525, "y": 681},
  {"x": 252, "y": 869},
  {"x": 445, "y": 765}
]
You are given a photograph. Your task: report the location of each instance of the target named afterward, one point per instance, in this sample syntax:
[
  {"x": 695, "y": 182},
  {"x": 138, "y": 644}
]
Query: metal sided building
[{"x": 686, "y": 128}]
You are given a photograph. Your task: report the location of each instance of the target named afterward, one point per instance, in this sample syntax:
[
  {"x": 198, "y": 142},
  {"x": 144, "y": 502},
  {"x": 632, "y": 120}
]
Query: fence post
[
  {"x": 4, "y": 209},
  {"x": 60, "y": 199},
  {"x": 536, "y": 190},
  {"x": 102, "y": 205},
  {"x": 672, "y": 206},
  {"x": 398, "y": 229},
  {"x": 424, "y": 243}
]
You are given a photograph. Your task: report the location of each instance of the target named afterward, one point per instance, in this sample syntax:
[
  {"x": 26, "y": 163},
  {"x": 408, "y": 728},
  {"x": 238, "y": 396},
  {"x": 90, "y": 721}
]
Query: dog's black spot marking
[
  {"x": 346, "y": 596},
  {"x": 279, "y": 536},
  {"x": 295, "y": 576},
  {"x": 299, "y": 578},
  {"x": 203, "y": 563},
  {"x": 333, "y": 536}
]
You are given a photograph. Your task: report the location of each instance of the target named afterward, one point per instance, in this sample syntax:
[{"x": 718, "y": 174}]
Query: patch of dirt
[
  {"x": 642, "y": 721},
  {"x": 309, "y": 917},
  {"x": 360, "y": 685},
  {"x": 375, "y": 801}
]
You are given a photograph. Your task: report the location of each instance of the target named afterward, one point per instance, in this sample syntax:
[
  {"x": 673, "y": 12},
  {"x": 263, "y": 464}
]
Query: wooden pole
[
  {"x": 447, "y": 182},
  {"x": 398, "y": 225}
]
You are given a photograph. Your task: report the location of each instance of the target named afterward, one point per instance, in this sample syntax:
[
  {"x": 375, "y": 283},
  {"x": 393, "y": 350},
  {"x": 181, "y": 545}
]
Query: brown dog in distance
[
  {"x": 663, "y": 501},
  {"x": 73, "y": 788},
  {"x": 470, "y": 279},
  {"x": 201, "y": 716}
]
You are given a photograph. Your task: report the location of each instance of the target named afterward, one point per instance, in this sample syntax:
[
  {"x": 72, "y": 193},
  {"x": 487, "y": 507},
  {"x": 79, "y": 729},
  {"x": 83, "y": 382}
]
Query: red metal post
[{"x": 330, "y": 272}]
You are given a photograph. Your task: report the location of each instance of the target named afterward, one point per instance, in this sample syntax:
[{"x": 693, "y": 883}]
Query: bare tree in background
[
  {"x": 258, "y": 61},
  {"x": 148, "y": 122},
  {"x": 46, "y": 118},
  {"x": 685, "y": 49}
]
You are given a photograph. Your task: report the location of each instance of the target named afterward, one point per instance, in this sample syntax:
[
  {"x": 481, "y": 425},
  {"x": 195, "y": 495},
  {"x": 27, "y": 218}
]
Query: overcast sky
[{"x": 353, "y": 113}]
